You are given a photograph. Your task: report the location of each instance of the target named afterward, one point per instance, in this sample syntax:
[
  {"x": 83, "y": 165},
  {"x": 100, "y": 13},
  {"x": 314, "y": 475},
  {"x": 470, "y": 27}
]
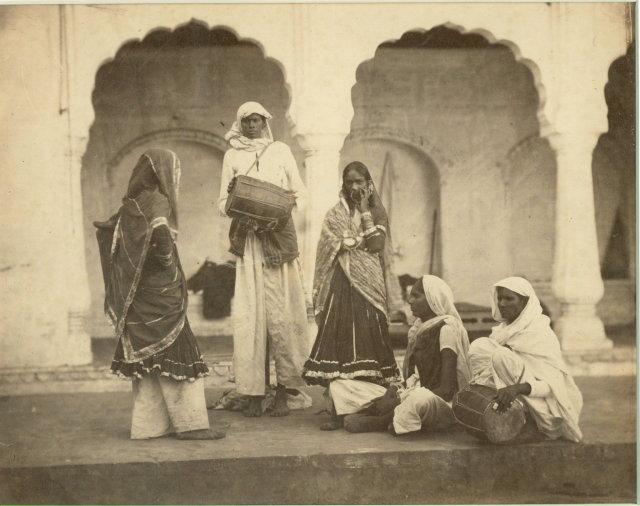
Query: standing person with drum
[
  {"x": 522, "y": 359},
  {"x": 269, "y": 303}
]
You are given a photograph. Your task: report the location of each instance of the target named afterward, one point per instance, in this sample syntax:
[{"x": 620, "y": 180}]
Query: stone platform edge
[{"x": 483, "y": 475}]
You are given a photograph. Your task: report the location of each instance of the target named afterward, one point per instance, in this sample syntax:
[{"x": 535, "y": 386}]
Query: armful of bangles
[{"x": 374, "y": 237}]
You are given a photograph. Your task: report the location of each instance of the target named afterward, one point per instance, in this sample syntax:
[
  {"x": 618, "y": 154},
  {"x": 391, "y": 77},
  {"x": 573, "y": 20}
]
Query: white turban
[{"x": 238, "y": 140}]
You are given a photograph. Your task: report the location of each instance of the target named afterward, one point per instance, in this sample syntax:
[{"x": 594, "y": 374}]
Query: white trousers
[
  {"x": 351, "y": 396},
  {"x": 162, "y": 406},
  {"x": 268, "y": 301},
  {"x": 420, "y": 408},
  {"x": 496, "y": 366}
]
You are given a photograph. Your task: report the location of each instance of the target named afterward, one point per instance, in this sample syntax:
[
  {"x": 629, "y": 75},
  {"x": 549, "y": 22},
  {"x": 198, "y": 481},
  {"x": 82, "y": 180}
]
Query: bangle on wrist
[{"x": 370, "y": 231}]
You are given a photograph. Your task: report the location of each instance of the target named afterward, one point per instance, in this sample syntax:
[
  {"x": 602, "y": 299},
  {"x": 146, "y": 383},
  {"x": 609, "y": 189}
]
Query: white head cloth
[
  {"x": 440, "y": 299},
  {"x": 238, "y": 140},
  {"x": 531, "y": 312},
  {"x": 531, "y": 337}
]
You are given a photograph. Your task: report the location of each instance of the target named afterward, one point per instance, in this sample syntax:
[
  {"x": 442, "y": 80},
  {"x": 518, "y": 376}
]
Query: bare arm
[
  {"x": 448, "y": 376},
  {"x": 509, "y": 393}
]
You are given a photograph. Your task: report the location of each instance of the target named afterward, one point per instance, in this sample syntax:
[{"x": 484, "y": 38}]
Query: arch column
[
  {"x": 577, "y": 282},
  {"x": 80, "y": 301},
  {"x": 322, "y": 159},
  {"x": 321, "y": 112},
  {"x": 579, "y": 117},
  {"x": 42, "y": 269}
]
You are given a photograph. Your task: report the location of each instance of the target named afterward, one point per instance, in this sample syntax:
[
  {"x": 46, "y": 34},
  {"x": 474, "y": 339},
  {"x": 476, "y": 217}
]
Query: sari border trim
[
  {"x": 350, "y": 375},
  {"x": 355, "y": 362},
  {"x": 120, "y": 333},
  {"x": 152, "y": 349},
  {"x": 150, "y": 370}
]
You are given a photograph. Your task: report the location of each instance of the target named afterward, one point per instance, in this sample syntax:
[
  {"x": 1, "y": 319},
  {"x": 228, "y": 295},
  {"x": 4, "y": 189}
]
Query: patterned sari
[
  {"x": 350, "y": 300},
  {"x": 145, "y": 287}
]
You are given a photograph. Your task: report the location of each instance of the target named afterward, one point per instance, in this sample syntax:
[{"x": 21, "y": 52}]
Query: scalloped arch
[
  {"x": 219, "y": 34},
  {"x": 474, "y": 37}
]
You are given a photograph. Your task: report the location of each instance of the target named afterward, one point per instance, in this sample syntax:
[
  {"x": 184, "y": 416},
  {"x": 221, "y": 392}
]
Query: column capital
[
  {"x": 315, "y": 143},
  {"x": 583, "y": 141}
]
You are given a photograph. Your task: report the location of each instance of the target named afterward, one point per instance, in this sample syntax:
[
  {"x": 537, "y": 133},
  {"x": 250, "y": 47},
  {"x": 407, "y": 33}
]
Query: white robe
[
  {"x": 555, "y": 401},
  {"x": 268, "y": 301}
]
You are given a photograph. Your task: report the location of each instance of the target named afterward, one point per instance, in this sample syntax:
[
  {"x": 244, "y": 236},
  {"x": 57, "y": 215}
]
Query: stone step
[
  {"x": 74, "y": 449},
  {"x": 490, "y": 475}
]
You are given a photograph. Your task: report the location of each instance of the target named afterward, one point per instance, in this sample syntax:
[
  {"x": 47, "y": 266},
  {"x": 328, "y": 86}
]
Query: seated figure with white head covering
[
  {"x": 522, "y": 359},
  {"x": 436, "y": 366},
  {"x": 269, "y": 299}
]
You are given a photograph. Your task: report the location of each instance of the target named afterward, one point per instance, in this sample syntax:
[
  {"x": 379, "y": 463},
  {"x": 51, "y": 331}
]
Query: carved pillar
[
  {"x": 576, "y": 96},
  {"x": 577, "y": 282},
  {"x": 322, "y": 158},
  {"x": 80, "y": 299}
]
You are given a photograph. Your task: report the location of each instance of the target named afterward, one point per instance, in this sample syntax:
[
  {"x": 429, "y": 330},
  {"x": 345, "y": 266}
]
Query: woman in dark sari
[
  {"x": 146, "y": 300},
  {"x": 350, "y": 289}
]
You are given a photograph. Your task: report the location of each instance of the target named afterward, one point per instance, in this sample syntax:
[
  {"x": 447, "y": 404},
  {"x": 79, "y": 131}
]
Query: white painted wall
[{"x": 47, "y": 77}]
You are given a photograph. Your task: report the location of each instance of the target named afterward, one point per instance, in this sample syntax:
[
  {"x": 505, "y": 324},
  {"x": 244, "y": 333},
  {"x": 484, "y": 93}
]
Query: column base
[
  {"x": 580, "y": 333},
  {"x": 80, "y": 353}
]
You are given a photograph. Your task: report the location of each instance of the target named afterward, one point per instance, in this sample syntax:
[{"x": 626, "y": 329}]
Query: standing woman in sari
[
  {"x": 350, "y": 288},
  {"x": 146, "y": 300}
]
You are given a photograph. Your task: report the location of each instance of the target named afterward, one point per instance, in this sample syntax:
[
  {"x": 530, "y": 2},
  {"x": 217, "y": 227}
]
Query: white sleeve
[
  {"x": 295, "y": 181},
  {"x": 448, "y": 339},
  {"x": 539, "y": 388},
  {"x": 227, "y": 175}
]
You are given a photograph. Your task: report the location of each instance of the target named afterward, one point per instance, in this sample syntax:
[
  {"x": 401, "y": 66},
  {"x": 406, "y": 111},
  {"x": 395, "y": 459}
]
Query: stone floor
[
  {"x": 74, "y": 448},
  {"x": 218, "y": 351}
]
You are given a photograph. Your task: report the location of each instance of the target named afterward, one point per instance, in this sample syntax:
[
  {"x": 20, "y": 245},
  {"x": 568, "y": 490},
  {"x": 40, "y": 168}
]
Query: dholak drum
[
  {"x": 264, "y": 202},
  {"x": 475, "y": 408}
]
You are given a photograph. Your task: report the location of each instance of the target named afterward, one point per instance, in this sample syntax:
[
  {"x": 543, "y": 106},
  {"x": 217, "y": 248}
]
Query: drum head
[{"x": 504, "y": 427}]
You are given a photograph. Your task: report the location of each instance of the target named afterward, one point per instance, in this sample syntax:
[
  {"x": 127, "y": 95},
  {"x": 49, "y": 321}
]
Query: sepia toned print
[{"x": 318, "y": 253}]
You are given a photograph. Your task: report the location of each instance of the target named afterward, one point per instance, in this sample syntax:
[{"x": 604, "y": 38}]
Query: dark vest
[{"x": 426, "y": 357}]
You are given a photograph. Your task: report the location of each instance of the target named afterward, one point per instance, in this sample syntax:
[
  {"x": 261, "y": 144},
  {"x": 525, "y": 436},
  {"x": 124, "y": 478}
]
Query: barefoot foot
[
  {"x": 280, "y": 407},
  {"x": 254, "y": 409},
  {"x": 333, "y": 424}
]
